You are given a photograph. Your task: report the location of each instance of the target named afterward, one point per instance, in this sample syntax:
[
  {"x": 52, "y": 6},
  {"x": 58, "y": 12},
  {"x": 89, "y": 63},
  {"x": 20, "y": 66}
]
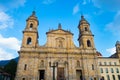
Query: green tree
[{"x": 11, "y": 68}]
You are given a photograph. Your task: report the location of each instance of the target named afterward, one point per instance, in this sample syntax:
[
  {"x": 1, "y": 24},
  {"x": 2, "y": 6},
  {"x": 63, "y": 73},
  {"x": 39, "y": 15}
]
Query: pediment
[{"x": 60, "y": 31}]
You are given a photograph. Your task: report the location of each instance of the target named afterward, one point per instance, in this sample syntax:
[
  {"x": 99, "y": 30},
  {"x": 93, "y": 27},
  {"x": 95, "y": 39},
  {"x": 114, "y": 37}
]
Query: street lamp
[{"x": 55, "y": 64}]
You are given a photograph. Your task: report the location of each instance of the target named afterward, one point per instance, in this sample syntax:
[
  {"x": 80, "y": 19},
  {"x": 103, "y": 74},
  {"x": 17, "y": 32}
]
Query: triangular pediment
[{"x": 59, "y": 31}]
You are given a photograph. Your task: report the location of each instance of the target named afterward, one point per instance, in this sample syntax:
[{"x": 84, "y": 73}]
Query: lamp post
[{"x": 55, "y": 64}]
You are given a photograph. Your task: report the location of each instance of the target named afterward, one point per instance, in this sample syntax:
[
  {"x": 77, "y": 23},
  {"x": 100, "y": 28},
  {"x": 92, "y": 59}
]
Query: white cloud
[
  {"x": 112, "y": 5},
  {"x": 76, "y": 9},
  {"x": 48, "y": 1},
  {"x": 10, "y": 4},
  {"x": 114, "y": 26},
  {"x": 5, "y": 55},
  {"x": 111, "y": 50},
  {"x": 7, "y": 46},
  {"x": 5, "y": 5},
  {"x": 5, "y": 20},
  {"x": 10, "y": 43}
]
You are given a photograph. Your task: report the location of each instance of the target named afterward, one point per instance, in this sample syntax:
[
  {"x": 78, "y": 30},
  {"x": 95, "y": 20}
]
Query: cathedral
[{"x": 59, "y": 58}]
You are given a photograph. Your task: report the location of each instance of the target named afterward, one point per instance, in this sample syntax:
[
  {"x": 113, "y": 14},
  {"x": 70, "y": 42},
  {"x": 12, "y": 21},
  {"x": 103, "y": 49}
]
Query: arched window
[
  {"x": 117, "y": 70},
  {"x": 106, "y": 70},
  {"x": 88, "y": 43},
  {"x": 102, "y": 78},
  {"x": 113, "y": 77},
  {"x": 112, "y": 71},
  {"x": 31, "y": 25},
  {"x": 108, "y": 77},
  {"x": 29, "y": 41},
  {"x": 118, "y": 77},
  {"x": 23, "y": 78},
  {"x": 86, "y": 29}
]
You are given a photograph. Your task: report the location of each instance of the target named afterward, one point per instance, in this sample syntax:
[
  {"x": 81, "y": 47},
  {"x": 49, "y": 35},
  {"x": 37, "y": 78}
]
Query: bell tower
[
  {"x": 118, "y": 48},
  {"x": 85, "y": 39},
  {"x": 30, "y": 34}
]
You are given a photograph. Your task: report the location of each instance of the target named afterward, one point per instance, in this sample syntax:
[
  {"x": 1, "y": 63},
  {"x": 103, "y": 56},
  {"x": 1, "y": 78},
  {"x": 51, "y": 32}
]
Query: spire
[
  {"x": 33, "y": 17},
  {"x": 33, "y": 13},
  {"x": 59, "y": 26},
  {"x": 83, "y": 20},
  {"x": 82, "y": 17}
]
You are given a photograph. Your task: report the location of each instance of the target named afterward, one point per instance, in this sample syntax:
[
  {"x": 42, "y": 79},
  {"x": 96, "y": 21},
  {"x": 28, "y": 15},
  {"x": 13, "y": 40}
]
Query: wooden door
[{"x": 60, "y": 74}]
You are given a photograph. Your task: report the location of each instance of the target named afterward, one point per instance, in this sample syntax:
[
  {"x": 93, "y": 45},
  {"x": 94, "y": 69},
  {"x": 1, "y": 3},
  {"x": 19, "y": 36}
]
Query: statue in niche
[
  {"x": 60, "y": 44},
  {"x": 78, "y": 63},
  {"x": 42, "y": 63}
]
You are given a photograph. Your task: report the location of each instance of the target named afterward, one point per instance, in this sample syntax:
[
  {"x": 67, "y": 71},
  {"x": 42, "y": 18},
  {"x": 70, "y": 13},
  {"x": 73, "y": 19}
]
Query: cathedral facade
[{"x": 59, "y": 58}]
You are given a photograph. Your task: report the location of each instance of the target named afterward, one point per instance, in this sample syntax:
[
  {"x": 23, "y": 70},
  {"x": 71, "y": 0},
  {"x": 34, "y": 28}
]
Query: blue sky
[{"x": 103, "y": 16}]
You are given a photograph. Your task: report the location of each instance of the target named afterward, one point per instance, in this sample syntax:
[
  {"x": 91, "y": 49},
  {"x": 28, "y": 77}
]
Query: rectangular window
[
  {"x": 106, "y": 70},
  {"x": 113, "y": 77},
  {"x": 101, "y": 70},
  {"x": 25, "y": 66},
  {"x": 112, "y": 71},
  {"x": 92, "y": 67},
  {"x": 109, "y": 63},
  {"x": 108, "y": 77},
  {"x": 115, "y": 63},
  {"x": 105, "y": 63},
  {"x": 99, "y": 63},
  {"x": 117, "y": 70}
]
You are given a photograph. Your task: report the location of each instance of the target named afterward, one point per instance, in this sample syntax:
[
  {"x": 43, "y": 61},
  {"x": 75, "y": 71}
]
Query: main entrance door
[
  {"x": 79, "y": 74},
  {"x": 42, "y": 75},
  {"x": 60, "y": 74}
]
